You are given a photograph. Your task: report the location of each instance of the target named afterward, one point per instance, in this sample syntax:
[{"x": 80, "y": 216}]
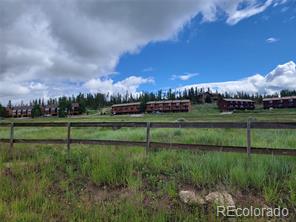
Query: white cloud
[
  {"x": 184, "y": 77},
  {"x": 8, "y": 88},
  {"x": 128, "y": 85},
  {"x": 282, "y": 77},
  {"x": 253, "y": 9},
  {"x": 38, "y": 86},
  {"x": 272, "y": 40},
  {"x": 22, "y": 91},
  {"x": 63, "y": 43},
  {"x": 280, "y": 2}
]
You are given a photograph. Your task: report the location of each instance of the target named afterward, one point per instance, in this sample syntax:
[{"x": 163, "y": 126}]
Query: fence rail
[
  {"x": 148, "y": 143},
  {"x": 239, "y": 125}
]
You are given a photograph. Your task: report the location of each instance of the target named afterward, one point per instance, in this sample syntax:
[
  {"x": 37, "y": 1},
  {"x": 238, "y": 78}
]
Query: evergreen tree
[
  {"x": 159, "y": 95},
  {"x": 144, "y": 98},
  {"x": 2, "y": 111},
  {"x": 82, "y": 103},
  {"x": 9, "y": 105},
  {"x": 287, "y": 92},
  {"x": 36, "y": 110},
  {"x": 64, "y": 106},
  {"x": 208, "y": 99}
]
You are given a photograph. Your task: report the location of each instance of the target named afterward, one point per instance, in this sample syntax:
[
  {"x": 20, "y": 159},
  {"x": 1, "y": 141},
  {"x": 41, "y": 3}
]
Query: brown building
[
  {"x": 50, "y": 110},
  {"x": 75, "y": 109},
  {"x": 29, "y": 111},
  {"x": 8, "y": 112},
  {"x": 126, "y": 108},
  {"x": 279, "y": 102},
  {"x": 208, "y": 97},
  {"x": 236, "y": 104},
  {"x": 168, "y": 106},
  {"x": 20, "y": 111},
  {"x": 14, "y": 113}
]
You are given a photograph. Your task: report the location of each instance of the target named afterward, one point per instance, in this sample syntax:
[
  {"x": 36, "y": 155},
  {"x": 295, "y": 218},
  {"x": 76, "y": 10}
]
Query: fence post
[
  {"x": 68, "y": 139},
  {"x": 249, "y": 137},
  {"x": 11, "y": 138},
  {"x": 148, "y": 137}
]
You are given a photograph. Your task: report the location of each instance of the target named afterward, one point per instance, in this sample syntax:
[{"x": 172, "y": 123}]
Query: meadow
[{"x": 104, "y": 183}]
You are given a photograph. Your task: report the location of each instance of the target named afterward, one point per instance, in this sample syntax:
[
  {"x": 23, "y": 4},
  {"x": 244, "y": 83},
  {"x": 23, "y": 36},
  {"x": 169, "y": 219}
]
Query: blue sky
[
  {"x": 56, "y": 48},
  {"x": 217, "y": 51}
]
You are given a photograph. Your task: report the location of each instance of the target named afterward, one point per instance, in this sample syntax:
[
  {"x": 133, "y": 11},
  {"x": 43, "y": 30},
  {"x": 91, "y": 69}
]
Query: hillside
[{"x": 105, "y": 183}]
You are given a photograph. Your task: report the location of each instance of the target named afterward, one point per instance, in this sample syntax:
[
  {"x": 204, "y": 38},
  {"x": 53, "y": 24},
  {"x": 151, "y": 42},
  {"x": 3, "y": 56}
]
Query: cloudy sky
[{"x": 52, "y": 48}]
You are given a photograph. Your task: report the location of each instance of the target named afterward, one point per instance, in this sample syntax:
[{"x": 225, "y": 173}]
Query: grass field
[{"x": 126, "y": 184}]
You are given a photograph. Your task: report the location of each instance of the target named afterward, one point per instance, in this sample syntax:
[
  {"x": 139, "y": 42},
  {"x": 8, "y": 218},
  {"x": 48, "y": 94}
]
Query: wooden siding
[
  {"x": 48, "y": 110},
  {"x": 153, "y": 106},
  {"x": 127, "y": 108},
  {"x": 19, "y": 111},
  {"x": 168, "y": 106},
  {"x": 75, "y": 109},
  {"x": 284, "y": 102},
  {"x": 235, "y": 104}
]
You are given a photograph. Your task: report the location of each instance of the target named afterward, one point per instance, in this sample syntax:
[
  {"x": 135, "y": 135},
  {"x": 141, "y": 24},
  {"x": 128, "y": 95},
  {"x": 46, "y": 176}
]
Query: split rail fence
[{"x": 148, "y": 143}]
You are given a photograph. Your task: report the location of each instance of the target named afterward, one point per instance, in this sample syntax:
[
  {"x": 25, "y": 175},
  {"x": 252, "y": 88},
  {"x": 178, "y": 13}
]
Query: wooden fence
[{"x": 148, "y": 143}]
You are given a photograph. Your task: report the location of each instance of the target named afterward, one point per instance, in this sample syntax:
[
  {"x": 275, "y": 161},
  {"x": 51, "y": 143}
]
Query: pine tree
[
  {"x": 64, "y": 106},
  {"x": 36, "y": 110},
  {"x": 2, "y": 111}
]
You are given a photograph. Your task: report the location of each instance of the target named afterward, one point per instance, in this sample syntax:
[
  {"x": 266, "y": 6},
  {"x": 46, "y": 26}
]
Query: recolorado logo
[{"x": 232, "y": 211}]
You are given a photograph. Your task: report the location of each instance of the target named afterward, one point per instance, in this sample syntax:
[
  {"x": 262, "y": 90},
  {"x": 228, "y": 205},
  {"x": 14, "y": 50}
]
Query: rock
[
  {"x": 200, "y": 200},
  {"x": 220, "y": 198},
  {"x": 188, "y": 196}
]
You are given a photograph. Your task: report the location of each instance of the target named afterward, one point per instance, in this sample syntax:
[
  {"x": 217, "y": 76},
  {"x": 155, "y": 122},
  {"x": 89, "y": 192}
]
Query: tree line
[{"x": 99, "y": 100}]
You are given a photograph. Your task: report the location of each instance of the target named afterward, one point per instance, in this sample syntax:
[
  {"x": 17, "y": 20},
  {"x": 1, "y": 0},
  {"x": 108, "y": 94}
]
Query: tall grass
[{"x": 42, "y": 183}]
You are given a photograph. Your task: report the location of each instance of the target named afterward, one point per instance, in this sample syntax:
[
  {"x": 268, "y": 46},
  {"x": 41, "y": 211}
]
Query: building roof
[
  {"x": 126, "y": 104},
  {"x": 169, "y": 101},
  {"x": 279, "y": 98},
  {"x": 238, "y": 100},
  {"x": 51, "y": 106},
  {"x": 22, "y": 107}
]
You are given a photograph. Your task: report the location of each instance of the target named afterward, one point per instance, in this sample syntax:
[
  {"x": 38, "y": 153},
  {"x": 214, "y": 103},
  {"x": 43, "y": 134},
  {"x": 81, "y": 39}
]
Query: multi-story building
[
  {"x": 126, "y": 108},
  {"x": 279, "y": 102},
  {"x": 236, "y": 104}
]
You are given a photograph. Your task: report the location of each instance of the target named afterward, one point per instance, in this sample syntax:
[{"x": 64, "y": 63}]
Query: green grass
[
  {"x": 104, "y": 183},
  {"x": 208, "y": 112}
]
